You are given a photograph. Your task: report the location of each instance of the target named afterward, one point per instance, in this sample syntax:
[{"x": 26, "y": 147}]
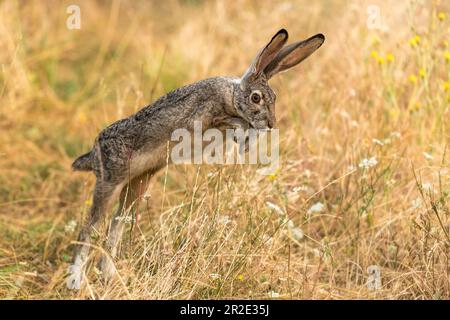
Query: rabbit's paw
[
  {"x": 75, "y": 277},
  {"x": 107, "y": 268}
]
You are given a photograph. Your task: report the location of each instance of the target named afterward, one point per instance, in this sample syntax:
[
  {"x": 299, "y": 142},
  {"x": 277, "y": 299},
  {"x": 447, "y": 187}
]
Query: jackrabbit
[{"x": 127, "y": 153}]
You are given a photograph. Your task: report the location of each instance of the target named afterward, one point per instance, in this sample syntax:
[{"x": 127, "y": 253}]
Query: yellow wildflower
[
  {"x": 88, "y": 202},
  {"x": 375, "y": 40},
  {"x": 97, "y": 271},
  {"x": 414, "y": 41},
  {"x": 412, "y": 78},
  {"x": 394, "y": 113},
  {"x": 381, "y": 60},
  {"x": 390, "y": 57},
  {"x": 422, "y": 73},
  {"x": 446, "y": 85},
  {"x": 374, "y": 54},
  {"x": 240, "y": 277},
  {"x": 441, "y": 16},
  {"x": 273, "y": 176},
  {"x": 414, "y": 106},
  {"x": 417, "y": 105},
  {"x": 447, "y": 56}
]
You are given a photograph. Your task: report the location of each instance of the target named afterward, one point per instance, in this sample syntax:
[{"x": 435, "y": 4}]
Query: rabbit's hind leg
[
  {"x": 129, "y": 200},
  {"x": 104, "y": 195}
]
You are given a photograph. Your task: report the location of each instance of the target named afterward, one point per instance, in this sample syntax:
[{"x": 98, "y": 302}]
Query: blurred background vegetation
[{"x": 364, "y": 127}]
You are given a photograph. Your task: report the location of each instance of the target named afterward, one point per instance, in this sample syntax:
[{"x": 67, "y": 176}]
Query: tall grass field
[{"x": 358, "y": 209}]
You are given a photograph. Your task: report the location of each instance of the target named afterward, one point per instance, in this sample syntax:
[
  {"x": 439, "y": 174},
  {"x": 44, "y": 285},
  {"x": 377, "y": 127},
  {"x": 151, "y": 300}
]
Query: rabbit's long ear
[
  {"x": 293, "y": 54},
  {"x": 265, "y": 56}
]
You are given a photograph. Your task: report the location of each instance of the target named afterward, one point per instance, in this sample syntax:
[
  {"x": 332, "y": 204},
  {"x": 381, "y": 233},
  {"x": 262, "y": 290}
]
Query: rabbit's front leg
[{"x": 238, "y": 123}]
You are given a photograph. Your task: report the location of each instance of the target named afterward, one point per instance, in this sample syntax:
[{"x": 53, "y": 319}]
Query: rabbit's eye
[{"x": 255, "y": 97}]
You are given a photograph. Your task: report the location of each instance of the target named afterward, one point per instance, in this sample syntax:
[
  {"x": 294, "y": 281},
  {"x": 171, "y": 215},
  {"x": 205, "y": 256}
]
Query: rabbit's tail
[{"x": 83, "y": 163}]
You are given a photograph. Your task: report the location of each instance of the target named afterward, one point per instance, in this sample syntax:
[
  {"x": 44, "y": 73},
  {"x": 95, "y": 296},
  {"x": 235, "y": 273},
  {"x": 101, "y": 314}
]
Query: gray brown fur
[{"x": 128, "y": 152}]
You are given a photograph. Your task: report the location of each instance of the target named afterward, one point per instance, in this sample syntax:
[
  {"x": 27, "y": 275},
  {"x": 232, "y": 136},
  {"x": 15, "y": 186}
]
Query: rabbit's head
[{"x": 254, "y": 100}]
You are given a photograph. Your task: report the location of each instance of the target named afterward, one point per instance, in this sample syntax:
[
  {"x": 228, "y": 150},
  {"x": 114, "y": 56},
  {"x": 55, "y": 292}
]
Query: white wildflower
[
  {"x": 297, "y": 233},
  {"x": 290, "y": 224},
  {"x": 299, "y": 189},
  {"x": 427, "y": 186},
  {"x": 146, "y": 197},
  {"x": 368, "y": 163},
  {"x": 344, "y": 114},
  {"x": 416, "y": 203},
  {"x": 293, "y": 196},
  {"x": 70, "y": 226},
  {"x": 267, "y": 171},
  {"x": 317, "y": 253},
  {"x": 378, "y": 142},
  {"x": 275, "y": 208},
  {"x": 211, "y": 174},
  {"x": 307, "y": 173},
  {"x": 272, "y": 294},
  {"x": 325, "y": 131},
  {"x": 224, "y": 219},
  {"x": 396, "y": 134},
  {"x": 428, "y": 156},
  {"x": 214, "y": 276},
  {"x": 391, "y": 182},
  {"x": 294, "y": 231},
  {"x": 316, "y": 208}
]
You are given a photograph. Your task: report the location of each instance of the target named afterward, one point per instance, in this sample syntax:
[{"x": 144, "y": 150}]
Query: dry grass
[{"x": 229, "y": 232}]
